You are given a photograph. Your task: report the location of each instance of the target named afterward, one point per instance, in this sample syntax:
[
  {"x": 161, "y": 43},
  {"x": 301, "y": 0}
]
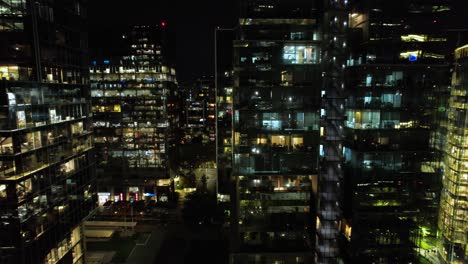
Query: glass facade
[
  {"x": 224, "y": 136},
  {"x": 275, "y": 141},
  {"x": 223, "y": 114},
  {"x": 46, "y": 145},
  {"x": 396, "y": 80},
  {"x": 453, "y": 224},
  {"x": 133, "y": 104},
  {"x": 199, "y": 110},
  {"x": 390, "y": 164}
]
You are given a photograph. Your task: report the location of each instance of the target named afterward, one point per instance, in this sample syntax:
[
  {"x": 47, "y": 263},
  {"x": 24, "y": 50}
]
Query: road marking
[
  {"x": 131, "y": 252},
  {"x": 146, "y": 241}
]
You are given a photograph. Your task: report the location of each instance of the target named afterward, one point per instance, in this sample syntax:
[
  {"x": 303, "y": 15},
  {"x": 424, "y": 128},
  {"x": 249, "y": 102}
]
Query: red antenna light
[{"x": 163, "y": 24}]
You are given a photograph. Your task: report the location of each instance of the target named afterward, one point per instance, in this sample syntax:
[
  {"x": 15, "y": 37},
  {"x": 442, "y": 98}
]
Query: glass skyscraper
[
  {"x": 397, "y": 71},
  {"x": 276, "y": 113},
  {"x": 453, "y": 212},
  {"x": 133, "y": 101},
  {"x": 47, "y": 164}
]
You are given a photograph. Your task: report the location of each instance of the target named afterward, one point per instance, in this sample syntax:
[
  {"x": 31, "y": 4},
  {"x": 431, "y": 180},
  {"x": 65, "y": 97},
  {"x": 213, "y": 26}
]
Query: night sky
[{"x": 190, "y": 23}]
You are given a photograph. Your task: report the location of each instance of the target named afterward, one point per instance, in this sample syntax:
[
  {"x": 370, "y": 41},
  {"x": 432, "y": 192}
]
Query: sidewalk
[
  {"x": 100, "y": 257},
  {"x": 147, "y": 251}
]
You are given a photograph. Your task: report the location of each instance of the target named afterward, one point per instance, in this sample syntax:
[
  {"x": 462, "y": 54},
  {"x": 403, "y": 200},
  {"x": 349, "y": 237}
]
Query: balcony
[
  {"x": 329, "y": 196},
  {"x": 328, "y": 231},
  {"x": 332, "y": 174},
  {"x": 329, "y": 213},
  {"x": 328, "y": 251}
]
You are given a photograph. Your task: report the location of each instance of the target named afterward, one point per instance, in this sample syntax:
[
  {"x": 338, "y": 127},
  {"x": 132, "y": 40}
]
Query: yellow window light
[{"x": 414, "y": 37}]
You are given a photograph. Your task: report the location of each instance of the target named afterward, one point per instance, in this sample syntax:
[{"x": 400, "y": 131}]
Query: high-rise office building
[
  {"x": 224, "y": 136},
  {"x": 133, "y": 93},
  {"x": 199, "y": 110},
  {"x": 276, "y": 105},
  {"x": 397, "y": 69},
  {"x": 453, "y": 212},
  {"x": 47, "y": 167},
  {"x": 223, "y": 113}
]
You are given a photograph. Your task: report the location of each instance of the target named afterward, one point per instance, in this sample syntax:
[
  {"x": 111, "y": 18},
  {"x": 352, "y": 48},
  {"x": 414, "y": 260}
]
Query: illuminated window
[
  {"x": 280, "y": 140},
  {"x": 23, "y": 189},
  {"x": 297, "y": 35},
  {"x": 7, "y": 168},
  {"x": 9, "y": 72},
  {"x": 297, "y": 141},
  {"x": 394, "y": 77},
  {"x": 96, "y": 93},
  {"x": 271, "y": 122},
  {"x": 12, "y": 26},
  {"x": 31, "y": 141},
  {"x": 6, "y": 145},
  {"x": 408, "y": 54},
  {"x": 293, "y": 54},
  {"x": 433, "y": 55},
  {"x": 77, "y": 128},
  {"x": 3, "y": 191},
  {"x": 15, "y": 7},
  {"x": 21, "y": 119},
  {"x": 260, "y": 57},
  {"x": 368, "y": 80},
  {"x": 357, "y": 20},
  {"x": 286, "y": 77},
  {"x": 111, "y": 93},
  {"x": 414, "y": 38}
]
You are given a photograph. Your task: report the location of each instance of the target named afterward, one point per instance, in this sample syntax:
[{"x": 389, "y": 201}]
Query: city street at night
[{"x": 234, "y": 132}]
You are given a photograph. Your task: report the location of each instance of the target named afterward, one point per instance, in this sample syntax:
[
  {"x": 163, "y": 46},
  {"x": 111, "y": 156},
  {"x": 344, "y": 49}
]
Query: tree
[
  {"x": 191, "y": 180},
  {"x": 201, "y": 208},
  {"x": 204, "y": 182}
]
